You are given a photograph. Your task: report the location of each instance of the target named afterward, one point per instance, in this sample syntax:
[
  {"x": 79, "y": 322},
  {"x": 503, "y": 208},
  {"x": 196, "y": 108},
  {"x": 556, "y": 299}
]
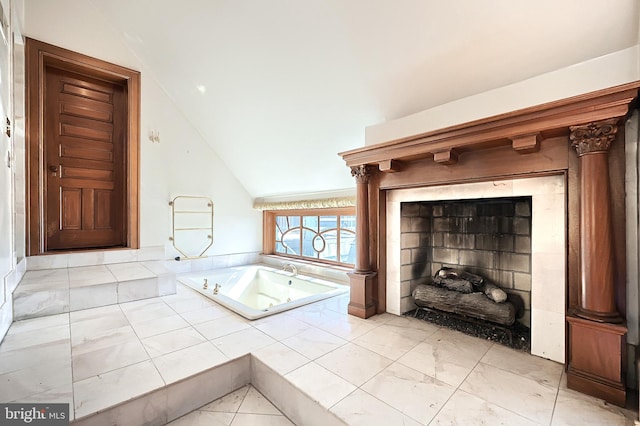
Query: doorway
[{"x": 82, "y": 152}]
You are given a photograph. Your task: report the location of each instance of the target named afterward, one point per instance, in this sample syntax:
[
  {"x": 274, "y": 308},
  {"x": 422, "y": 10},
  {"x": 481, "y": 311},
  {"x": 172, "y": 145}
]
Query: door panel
[
  {"x": 103, "y": 201},
  {"x": 84, "y": 161},
  {"x": 71, "y": 208}
]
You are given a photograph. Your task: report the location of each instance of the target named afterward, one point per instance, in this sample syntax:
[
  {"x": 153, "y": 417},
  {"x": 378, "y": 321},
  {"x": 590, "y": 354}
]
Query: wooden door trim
[{"x": 39, "y": 55}]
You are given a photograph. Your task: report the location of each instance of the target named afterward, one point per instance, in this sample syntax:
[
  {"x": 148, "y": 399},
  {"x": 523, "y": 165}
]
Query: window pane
[
  {"x": 348, "y": 222},
  {"x": 282, "y": 223},
  {"x": 347, "y": 247},
  {"x": 310, "y": 222},
  {"x": 319, "y": 244},
  {"x": 294, "y": 221},
  {"x": 328, "y": 222},
  {"x": 307, "y": 243},
  {"x": 291, "y": 241},
  {"x": 331, "y": 246}
]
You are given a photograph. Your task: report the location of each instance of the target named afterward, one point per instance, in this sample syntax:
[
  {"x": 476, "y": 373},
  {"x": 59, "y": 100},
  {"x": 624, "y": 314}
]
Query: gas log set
[{"x": 468, "y": 295}]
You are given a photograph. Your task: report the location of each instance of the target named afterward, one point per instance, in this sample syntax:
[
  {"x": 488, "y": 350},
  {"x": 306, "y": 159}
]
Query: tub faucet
[
  {"x": 216, "y": 289},
  {"x": 294, "y": 270}
]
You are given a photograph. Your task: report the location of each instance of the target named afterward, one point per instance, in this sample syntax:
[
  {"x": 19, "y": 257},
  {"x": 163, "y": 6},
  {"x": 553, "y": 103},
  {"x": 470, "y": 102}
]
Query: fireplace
[
  {"x": 488, "y": 237},
  {"x": 546, "y": 273},
  {"x": 567, "y": 157}
]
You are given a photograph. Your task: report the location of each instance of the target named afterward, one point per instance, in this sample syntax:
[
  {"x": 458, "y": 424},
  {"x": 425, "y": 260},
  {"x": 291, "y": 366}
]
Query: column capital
[
  {"x": 593, "y": 137},
  {"x": 361, "y": 173}
]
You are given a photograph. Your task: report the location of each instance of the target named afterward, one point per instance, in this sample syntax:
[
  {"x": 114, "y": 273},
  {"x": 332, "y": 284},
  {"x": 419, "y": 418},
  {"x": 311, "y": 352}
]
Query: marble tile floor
[
  {"x": 244, "y": 407},
  {"x": 386, "y": 370}
]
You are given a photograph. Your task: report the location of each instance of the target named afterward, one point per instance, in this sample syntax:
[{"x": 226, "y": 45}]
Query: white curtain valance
[{"x": 305, "y": 204}]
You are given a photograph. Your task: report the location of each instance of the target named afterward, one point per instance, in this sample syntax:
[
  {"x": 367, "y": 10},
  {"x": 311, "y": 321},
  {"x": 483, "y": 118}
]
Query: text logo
[{"x": 34, "y": 414}]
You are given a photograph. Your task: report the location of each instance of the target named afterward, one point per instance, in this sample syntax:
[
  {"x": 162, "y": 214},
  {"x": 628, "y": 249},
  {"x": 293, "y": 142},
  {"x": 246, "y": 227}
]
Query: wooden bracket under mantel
[
  {"x": 390, "y": 166},
  {"x": 448, "y": 157},
  {"x": 527, "y": 144}
]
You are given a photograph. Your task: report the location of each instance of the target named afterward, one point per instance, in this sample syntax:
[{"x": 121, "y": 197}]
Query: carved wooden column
[
  {"x": 596, "y": 335},
  {"x": 362, "y": 278},
  {"x": 597, "y": 291}
]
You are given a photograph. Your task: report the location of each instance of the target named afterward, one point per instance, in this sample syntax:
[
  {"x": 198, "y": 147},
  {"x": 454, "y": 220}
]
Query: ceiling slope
[{"x": 279, "y": 87}]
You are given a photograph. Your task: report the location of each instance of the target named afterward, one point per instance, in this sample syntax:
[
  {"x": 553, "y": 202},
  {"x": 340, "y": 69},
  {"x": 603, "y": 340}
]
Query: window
[{"x": 324, "y": 235}]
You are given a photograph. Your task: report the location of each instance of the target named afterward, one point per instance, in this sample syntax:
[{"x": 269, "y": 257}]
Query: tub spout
[{"x": 294, "y": 270}]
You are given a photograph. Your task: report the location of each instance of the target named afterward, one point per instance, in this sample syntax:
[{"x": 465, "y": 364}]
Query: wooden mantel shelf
[{"x": 523, "y": 129}]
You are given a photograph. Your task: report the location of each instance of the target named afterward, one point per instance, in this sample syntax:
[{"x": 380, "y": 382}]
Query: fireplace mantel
[
  {"x": 579, "y": 138},
  {"x": 523, "y": 130}
]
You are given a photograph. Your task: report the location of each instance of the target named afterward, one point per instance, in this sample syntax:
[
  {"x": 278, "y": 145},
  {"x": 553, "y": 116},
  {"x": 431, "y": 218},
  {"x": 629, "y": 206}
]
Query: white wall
[
  {"x": 11, "y": 165},
  {"x": 6, "y": 198},
  {"x": 595, "y": 74},
  {"x": 182, "y": 163}
]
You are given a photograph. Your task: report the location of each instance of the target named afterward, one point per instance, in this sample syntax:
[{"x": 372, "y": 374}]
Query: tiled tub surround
[
  {"x": 152, "y": 361},
  {"x": 490, "y": 237},
  {"x": 548, "y": 250},
  {"x": 147, "y": 254},
  {"x": 257, "y": 291}
]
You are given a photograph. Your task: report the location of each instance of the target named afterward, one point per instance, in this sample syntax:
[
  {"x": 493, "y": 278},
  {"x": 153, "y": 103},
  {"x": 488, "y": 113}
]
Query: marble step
[
  {"x": 172, "y": 401},
  {"x": 55, "y": 291}
]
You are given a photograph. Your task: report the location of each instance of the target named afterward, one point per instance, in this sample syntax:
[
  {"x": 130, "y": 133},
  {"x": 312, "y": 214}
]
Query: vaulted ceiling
[{"x": 278, "y": 87}]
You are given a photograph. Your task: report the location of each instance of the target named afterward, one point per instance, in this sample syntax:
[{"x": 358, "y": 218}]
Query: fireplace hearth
[{"x": 517, "y": 336}]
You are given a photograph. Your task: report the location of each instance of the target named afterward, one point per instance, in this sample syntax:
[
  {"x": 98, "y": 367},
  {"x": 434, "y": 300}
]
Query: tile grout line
[
  {"x": 143, "y": 347},
  {"x": 509, "y": 372},
  {"x": 296, "y": 387},
  {"x": 461, "y": 382},
  {"x": 73, "y": 392},
  {"x": 512, "y": 372},
  {"x": 394, "y": 361},
  {"x": 555, "y": 401}
]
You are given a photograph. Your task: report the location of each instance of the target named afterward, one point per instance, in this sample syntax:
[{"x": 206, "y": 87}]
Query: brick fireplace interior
[
  {"x": 551, "y": 185},
  {"x": 487, "y": 237}
]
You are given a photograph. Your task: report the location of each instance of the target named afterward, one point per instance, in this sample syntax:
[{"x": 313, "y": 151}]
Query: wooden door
[{"x": 84, "y": 123}]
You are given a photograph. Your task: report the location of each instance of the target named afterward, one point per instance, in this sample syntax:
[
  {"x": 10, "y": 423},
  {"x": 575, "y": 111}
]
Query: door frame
[{"x": 39, "y": 55}]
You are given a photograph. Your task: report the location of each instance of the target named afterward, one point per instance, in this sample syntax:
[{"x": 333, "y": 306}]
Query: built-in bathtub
[{"x": 256, "y": 291}]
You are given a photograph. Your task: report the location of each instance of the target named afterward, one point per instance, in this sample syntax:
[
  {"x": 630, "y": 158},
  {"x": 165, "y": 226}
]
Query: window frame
[{"x": 269, "y": 231}]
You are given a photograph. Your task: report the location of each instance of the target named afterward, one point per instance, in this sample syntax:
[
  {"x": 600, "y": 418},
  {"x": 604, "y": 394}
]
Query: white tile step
[
  {"x": 172, "y": 401},
  {"x": 55, "y": 291}
]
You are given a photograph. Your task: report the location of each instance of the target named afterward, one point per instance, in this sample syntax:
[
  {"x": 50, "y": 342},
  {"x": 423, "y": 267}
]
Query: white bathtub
[{"x": 256, "y": 291}]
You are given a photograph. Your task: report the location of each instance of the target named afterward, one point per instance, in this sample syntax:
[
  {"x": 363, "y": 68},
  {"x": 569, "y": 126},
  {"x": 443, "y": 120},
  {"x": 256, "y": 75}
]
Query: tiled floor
[
  {"x": 386, "y": 370},
  {"x": 244, "y": 407}
]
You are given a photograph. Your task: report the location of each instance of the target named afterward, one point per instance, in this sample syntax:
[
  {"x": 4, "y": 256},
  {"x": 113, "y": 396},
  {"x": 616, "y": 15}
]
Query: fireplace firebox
[{"x": 487, "y": 237}]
